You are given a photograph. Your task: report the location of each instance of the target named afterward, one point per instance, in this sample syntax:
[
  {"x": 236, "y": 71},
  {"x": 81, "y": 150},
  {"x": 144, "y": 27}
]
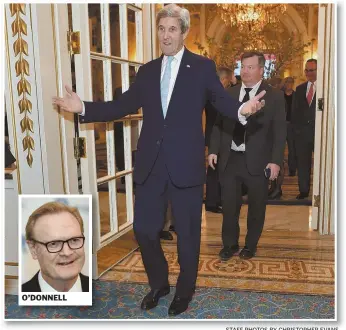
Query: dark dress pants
[
  {"x": 150, "y": 207},
  {"x": 292, "y": 157},
  {"x": 231, "y": 180},
  {"x": 304, "y": 142},
  {"x": 213, "y": 189}
]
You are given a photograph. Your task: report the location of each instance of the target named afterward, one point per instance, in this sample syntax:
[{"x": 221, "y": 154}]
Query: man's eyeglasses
[
  {"x": 310, "y": 70},
  {"x": 73, "y": 243}
]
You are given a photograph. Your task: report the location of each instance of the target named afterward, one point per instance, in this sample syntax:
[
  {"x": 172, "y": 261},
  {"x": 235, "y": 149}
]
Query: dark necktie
[{"x": 239, "y": 129}]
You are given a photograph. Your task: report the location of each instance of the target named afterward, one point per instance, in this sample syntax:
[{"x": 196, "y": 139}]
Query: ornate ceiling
[{"x": 211, "y": 13}]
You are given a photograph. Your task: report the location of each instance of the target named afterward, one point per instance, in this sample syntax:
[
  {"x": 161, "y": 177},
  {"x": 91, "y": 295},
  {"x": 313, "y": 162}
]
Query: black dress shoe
[
  {"x": 275, "y": 194},
  {"x": 152, "y": 298},
  {"x": 166, "y": 235},
  {"x": 214, "y": 209},
  {"x": 292, "y": 173},
  {"x": 246, "y": 253},
  {"x": 228, "y": 252},
  {"x": 302, "y": 195},
  {"x": 179, "y": 305}
]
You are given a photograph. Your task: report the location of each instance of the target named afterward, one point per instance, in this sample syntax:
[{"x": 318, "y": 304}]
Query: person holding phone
[{"x": 248, "y": 155}]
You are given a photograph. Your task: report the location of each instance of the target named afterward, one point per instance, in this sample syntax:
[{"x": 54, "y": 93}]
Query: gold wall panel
[{"x": 20, "y": 48}]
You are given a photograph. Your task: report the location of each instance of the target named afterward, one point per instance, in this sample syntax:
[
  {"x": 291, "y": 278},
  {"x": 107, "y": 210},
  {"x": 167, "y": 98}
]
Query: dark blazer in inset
[{"x": 34, "y": 286}]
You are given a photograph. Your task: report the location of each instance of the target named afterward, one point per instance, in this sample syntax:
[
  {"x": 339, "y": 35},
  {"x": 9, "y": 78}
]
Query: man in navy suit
[{"x": 170, "y": 165}]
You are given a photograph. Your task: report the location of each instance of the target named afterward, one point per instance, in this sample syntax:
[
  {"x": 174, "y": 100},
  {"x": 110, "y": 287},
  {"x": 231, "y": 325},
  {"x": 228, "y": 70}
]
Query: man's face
[
  {"x": 289, "y": 85},
  {"x": 311, "y": 71},
  {"x": 250, "y": 72},
  {"x": 66, "y": 264},
  {"x": 170, "y": 36}
]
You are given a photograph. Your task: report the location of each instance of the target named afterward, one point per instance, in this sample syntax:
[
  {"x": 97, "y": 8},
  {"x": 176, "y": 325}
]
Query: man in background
[
  {"x": 213, "y": 189},
  {"x": 245, "y": 153},
  {"x": 303, "y": 124},
  {"x": 289, "y": 94}
]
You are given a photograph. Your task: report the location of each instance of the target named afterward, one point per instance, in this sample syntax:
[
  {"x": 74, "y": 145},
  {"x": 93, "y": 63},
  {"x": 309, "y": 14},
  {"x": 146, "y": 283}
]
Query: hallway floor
[
  {"x": 291, "y": 258},
  {"x": 113, "y": 300}
]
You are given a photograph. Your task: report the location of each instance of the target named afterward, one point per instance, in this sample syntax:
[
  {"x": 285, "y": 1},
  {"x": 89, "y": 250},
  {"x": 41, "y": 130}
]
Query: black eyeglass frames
[{"x": 73, "y": 243}]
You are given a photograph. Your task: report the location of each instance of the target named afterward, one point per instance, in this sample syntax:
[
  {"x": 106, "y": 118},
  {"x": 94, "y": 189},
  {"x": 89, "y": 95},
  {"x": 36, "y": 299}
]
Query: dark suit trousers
[
  {"x": 150, "y": 208},
  {"x": 292, "y": 158},
  {"x": 231, "y": 181},
  {"x": 304, "y": 142},
  {"x": 213, "y": 189}
]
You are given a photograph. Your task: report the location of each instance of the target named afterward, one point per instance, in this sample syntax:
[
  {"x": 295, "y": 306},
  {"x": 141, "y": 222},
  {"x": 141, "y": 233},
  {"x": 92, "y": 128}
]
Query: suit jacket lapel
[
  {"x": 304, "y": 94},
  {"x": 228, "y": 122},
  {"x": 36, "y": 285},
  {"x": 235, "y": 91},
  {"x": 262, "y": 87},
  {"x": 157, "y": 78}
]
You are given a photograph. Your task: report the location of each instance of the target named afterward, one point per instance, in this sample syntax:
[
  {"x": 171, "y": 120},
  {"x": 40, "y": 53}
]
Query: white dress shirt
[
  {"x": 175, "y": 65},
  {"x": 308, "y": 88},
  {"x": 45, "y": 287},
  {"x": 241, "y": 96}
]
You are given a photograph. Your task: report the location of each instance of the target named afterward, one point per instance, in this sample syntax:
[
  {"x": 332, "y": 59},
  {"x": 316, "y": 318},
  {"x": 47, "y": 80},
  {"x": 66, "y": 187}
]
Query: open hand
[
  {"x": 253, "y": 105},
  {"x": 70, "y": 102}
]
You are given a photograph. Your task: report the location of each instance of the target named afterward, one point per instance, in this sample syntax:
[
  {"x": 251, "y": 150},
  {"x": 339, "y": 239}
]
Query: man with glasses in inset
[
  {"x": 303, "y": 124},
  {"x": 55, "y": 236}
]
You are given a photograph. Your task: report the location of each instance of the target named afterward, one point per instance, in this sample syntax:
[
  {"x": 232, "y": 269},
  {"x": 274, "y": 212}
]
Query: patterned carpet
[
  {"x": 275, "y": 269},
  {"x": 121, "y": 301}
]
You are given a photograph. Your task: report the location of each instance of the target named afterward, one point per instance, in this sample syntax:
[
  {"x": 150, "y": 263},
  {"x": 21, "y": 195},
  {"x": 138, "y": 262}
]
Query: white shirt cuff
[
  {"x": 242, "y": 118},
  {"x": 83, "y": 112}
]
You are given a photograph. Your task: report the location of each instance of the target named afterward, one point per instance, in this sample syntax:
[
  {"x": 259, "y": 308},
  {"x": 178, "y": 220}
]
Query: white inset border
[{"x": 29, "y": 267}]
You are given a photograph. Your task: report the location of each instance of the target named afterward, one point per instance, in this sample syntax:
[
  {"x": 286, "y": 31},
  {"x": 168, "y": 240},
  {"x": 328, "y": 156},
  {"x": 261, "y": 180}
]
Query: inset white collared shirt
[{"x": 45, "y": 287}]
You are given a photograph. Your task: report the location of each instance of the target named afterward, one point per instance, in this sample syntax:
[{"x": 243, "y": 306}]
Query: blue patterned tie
[{"x": 165, "y": 85}]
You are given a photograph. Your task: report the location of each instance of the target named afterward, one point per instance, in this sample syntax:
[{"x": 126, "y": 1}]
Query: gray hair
[
  {"x": 172, "y": 10},
  {"x": 223, "y": 71}
]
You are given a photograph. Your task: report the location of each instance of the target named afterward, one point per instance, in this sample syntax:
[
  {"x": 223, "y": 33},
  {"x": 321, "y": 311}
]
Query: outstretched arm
[{"x": 129, "y": 102}]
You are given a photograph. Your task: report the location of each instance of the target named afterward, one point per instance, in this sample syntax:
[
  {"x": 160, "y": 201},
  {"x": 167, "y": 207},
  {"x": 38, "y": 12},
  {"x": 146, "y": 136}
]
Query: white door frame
[{"x": 323, "y": 198}]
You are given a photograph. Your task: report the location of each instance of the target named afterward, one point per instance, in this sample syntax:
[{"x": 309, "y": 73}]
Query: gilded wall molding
[{"x": 20, "y": 48}]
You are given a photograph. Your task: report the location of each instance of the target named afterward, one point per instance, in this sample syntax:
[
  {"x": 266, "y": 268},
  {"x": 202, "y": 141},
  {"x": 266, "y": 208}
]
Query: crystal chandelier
[{"x": 251, "y": 17}]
